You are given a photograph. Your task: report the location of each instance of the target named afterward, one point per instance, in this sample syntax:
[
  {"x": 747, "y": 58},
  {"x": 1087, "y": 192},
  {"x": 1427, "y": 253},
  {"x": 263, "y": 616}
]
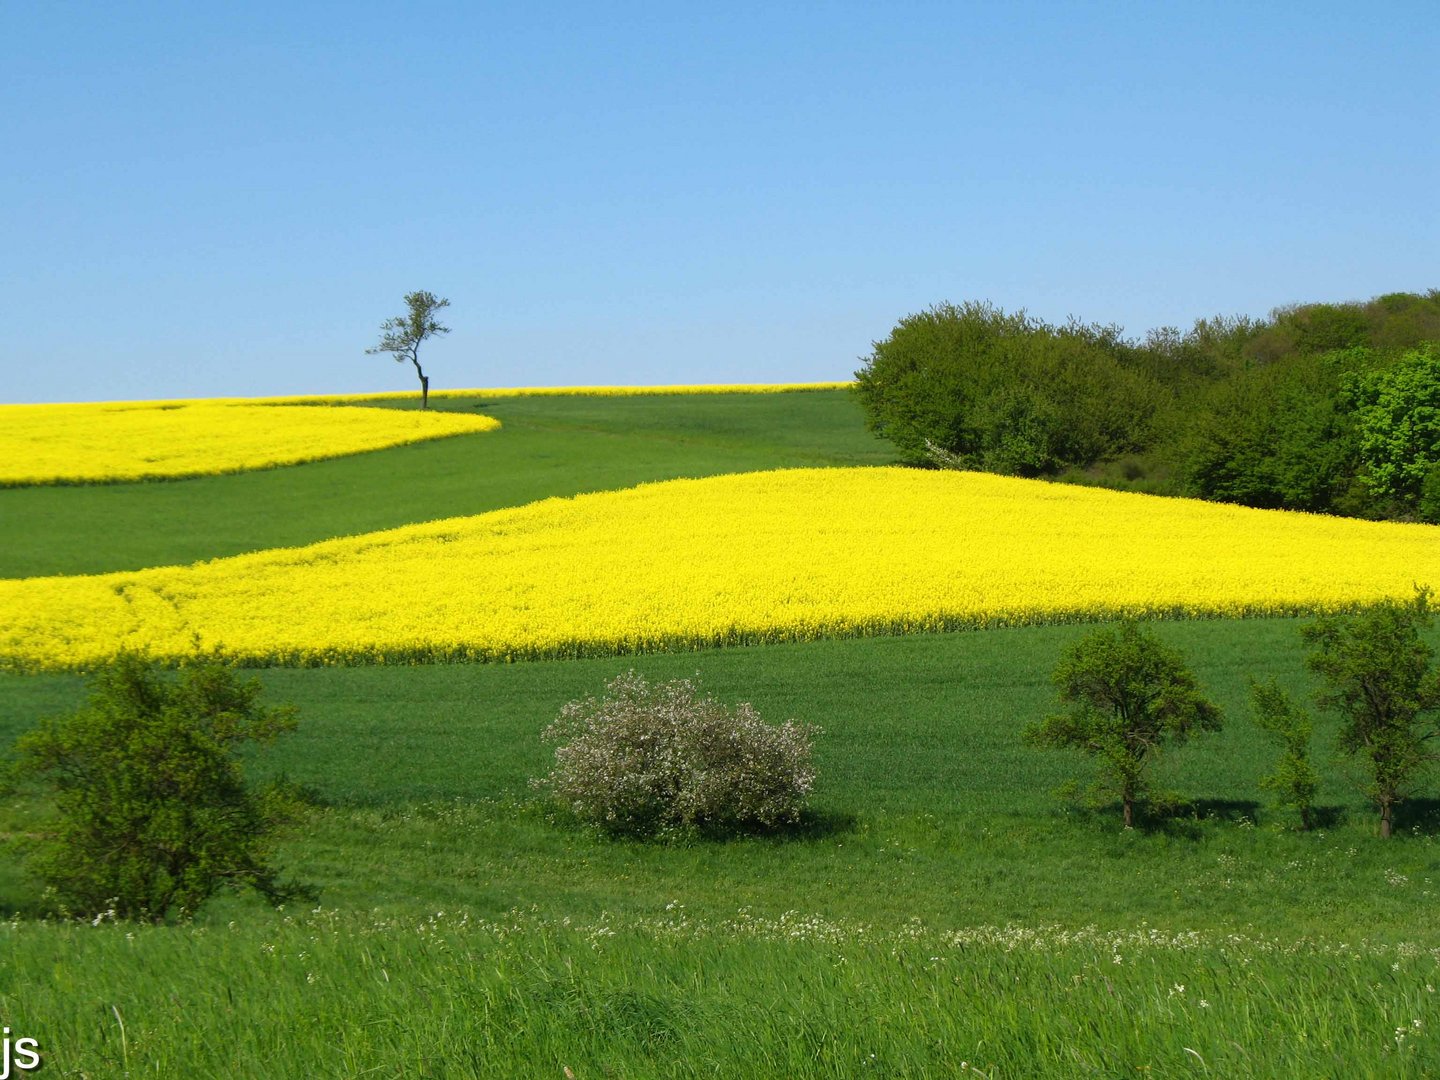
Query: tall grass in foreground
[{"x": 444, "y": 995}]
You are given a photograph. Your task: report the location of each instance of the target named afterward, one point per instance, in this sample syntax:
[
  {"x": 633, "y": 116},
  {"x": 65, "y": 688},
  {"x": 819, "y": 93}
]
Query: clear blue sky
[{"x": 216, "y": 199}]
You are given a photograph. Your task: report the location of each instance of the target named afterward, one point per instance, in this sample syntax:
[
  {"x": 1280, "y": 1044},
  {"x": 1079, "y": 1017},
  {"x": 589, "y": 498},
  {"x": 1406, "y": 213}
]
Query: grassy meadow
[{"x": 939, "y": 912}]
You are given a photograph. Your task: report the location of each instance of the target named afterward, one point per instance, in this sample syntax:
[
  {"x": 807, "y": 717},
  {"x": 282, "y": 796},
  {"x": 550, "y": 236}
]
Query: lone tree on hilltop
[
  {"x": 1377, "y": 674},
  {"x": 402, "y": 335},
  {"x": 1131, "y": 693}
]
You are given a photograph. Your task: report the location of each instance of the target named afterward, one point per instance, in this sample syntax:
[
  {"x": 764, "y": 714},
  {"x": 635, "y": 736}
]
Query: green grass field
[{"x": 941, "y": 913}]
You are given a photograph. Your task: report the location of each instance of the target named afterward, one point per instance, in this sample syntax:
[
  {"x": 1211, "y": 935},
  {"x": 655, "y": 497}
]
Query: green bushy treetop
[
  {"x": 1398, "y": 422},
  {"x": 152, "y": 810},
  {"x": 1130, "y": 695},
  {"x": 1278, "y": 437},
  {"x": 1377, "y": 674},
  {"x": 1004, "y": 392},
  {"x": 1329, "y": 408}
]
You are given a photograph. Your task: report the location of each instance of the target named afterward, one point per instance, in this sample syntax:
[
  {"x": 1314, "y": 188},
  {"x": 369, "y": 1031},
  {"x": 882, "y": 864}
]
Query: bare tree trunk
[
  {"x": 1129, "y": 814},
  {"x": 424, "y": 382},
  {"x": 1385, "y": 820}
]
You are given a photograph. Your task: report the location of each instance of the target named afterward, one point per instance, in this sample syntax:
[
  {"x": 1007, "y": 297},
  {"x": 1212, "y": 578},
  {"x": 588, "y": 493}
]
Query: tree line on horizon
[{"x": 1324, "y": 407}]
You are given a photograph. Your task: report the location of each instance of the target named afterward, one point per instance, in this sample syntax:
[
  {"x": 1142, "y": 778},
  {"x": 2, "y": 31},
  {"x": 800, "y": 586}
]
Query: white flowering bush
[{"x": 646, "y": 759}]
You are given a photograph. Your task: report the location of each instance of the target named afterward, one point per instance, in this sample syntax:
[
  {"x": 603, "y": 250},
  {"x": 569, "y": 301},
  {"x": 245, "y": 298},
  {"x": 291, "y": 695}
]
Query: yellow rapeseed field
[
  {"x": 575, "y": 391},
  {"x": 114, "y": 441},
  {"x": 770, "y": 556}
]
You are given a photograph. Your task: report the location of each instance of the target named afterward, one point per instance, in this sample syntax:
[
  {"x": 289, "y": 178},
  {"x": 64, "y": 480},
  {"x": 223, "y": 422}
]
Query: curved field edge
[
  {"x": 471, "y": 392},
  {"x": 109, "y": 443},
  {"x": 762, "y": 557},
  {"x": 546, "y": 447}
]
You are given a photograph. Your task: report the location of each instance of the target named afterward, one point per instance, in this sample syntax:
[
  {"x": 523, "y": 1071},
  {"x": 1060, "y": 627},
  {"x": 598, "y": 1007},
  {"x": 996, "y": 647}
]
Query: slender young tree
[
  {"x": 401, "y": 336},
  {"x": 1377, "y": 672},
  {"x": 1294, "y": 780}
]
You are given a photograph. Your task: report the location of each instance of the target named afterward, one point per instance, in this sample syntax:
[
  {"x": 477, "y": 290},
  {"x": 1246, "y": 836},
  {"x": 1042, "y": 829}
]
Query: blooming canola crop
[
  {"x": 102, "y": 442},
  {"x": 757, "y": 557}
]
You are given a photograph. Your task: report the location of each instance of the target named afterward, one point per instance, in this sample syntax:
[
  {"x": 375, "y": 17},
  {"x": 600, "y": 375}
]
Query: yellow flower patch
[
  {"x": 757, "y": 557},
  {"x": 570, "y": 391},
  {"x": 112, "y": 441}
]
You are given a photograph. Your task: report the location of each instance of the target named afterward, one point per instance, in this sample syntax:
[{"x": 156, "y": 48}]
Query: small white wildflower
[{"x": 1204, "y": 1004}]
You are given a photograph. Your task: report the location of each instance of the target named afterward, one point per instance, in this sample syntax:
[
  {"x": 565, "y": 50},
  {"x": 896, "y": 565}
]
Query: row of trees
[
  {"x": 1322, "y": 407},
  {"x": 1130, "y": 694},
  {"x": 153, "y": 814}
]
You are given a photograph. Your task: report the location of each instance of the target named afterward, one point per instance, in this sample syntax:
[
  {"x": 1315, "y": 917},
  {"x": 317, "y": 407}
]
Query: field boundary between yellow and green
[
  {"x": 112, "y": 442},
  {"x": 663, "y": 390},
  {"x": 749, "y": 558}
]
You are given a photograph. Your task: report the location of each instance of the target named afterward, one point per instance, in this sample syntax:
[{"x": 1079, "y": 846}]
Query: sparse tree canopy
[
  {"x": 1131, "y": 693},
  {"x": 1377, "y": 674},
  {"x": 402, "y": 335},
  {"x": 1294, "y": 780}
]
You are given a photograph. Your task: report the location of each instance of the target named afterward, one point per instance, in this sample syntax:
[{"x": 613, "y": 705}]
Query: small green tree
[
  {"x": 1131, "y": 694},
  {"x": 153, "y": 813},
  {"x": 1294, "y": 780},
  {"x": 1377, "y": 675},
  {"x": 402, "y": 335}
]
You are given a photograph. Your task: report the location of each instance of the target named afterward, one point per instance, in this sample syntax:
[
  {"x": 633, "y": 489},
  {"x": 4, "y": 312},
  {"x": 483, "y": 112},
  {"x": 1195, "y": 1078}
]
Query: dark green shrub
[
  {"x": 1311, "y": 328},
  {"x": 152, "y": 811},
  {"x": 1428, "y": 509},
  {"x": 1130, "y": 693},
  {"x": 1398, "y": 420},
  {"x": 1005, "y": 392},
  {"x": 1279, "y": 437},
  {"x": 647, "y": 759}
]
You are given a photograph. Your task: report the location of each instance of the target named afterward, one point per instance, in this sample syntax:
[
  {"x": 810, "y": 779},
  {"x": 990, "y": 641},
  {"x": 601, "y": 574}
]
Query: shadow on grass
[
  {"x": 1187, "y": 818},
  {"x": 26, "y": 901},
  {"x": 813, "y": 826},
  {"x": 1190, "y": 817},
  {"x": 816, "y": 825},
  {"x": 1419, "y": 816}
]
